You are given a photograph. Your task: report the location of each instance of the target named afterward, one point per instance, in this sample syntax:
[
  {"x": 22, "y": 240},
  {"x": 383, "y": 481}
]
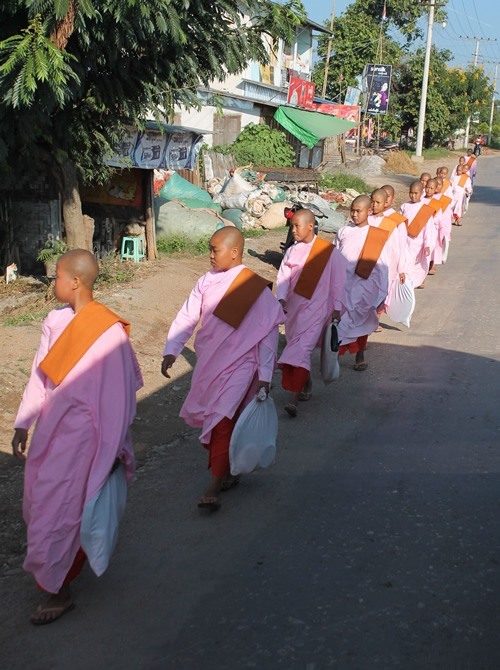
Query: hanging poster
[
  {"x": 152, "y": 149},
  {"x": 376, "y": 87}
]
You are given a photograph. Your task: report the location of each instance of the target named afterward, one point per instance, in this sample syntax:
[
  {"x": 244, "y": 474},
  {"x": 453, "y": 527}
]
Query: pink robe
[
  {"x": 418, "y": 262},
  {"x": 461, "y": 195},
  {"x": 364, "y": 297},
  {"x": 396, "y": 249},
  {"x": 82, "y": 426},
  {"x": 305, "y": 318},
  {"x": 443, "y": 232},
  {"x": 228, "y": 360}
]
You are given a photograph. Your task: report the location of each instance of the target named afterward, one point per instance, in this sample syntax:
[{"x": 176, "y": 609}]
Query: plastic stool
[{"x": 132, "y": 248}]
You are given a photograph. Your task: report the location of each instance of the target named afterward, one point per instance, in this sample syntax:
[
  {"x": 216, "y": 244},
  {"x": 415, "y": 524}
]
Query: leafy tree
[{"x": 73, "y": 73}]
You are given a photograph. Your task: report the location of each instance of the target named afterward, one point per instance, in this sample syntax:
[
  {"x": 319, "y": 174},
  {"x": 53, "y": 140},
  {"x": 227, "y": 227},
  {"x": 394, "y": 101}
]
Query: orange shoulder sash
[
  {"x": 370, "y": 253},
  {"x": 313, "y": 268},
  {"x": 463, "y": 180},
  {"x": 399, "y": 218},
  {"x": 436, "y": 205},
  {"x": 423, "y": 215},
  {"x": 470, "y": 161},
  {"x": 389, "y": 223},
  {"x": 77, "y": 338},
  {"x": 446, "y": 202},
  {"x": 239, "y": 298},
  {"x": 446, "y": 184}
]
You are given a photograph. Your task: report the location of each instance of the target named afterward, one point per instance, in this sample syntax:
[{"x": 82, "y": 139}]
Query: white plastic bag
[
  {"x": 402, "y": 302},
  {"x": 329, "y": 358},
  {"x": 253, "y": 442},
  {"x": 446, "y": 249},
  {"x": 100, "y": 521}
]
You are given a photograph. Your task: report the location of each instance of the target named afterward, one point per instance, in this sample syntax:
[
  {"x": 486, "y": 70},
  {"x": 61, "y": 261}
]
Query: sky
[{"x": 466, "y": 19}]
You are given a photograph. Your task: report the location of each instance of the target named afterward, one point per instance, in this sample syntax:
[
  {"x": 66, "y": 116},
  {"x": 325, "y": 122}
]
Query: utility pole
[
  {"x": 328, "y": 53},
  {"x": 425, "y": 82},
  {"x": 492, "y": 113},
  {"x": 478, "y": 40}
]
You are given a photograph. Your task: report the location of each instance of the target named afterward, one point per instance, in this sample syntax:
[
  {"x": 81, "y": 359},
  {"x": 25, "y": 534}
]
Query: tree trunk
[
  {"x": 64, "y": 27},
  {"x": 72, "y": 207},
  {"x": 150, "y": 233}
]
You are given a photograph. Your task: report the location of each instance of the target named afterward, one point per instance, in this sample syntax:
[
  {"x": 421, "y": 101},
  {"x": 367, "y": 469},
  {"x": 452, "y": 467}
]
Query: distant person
[
  {"x": 81, "y": 393},
  {"x": 478, "y": 141},
  {"x": 235, "y": 350},
  {"x": 462, "y": 191},
  {"x": 471, "y": 163},
  {"x": 447, "y": 188},
  {"x": 424, "y": 178},
  {"x": 311, "y": 290}
]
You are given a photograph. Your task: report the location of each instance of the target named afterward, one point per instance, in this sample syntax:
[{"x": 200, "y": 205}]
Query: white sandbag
[
  {"x": 274, "y": 217},
  {"x": 402, "y": 302},
  {"x": 329, "y": 358},
  {"x": 172, "y": 218},
  {"x": 100, "y": 521},
  {"x": 253, "y": 442},
  {"x": 446, "y": 249},
  {"x": 236, "y": 184}
]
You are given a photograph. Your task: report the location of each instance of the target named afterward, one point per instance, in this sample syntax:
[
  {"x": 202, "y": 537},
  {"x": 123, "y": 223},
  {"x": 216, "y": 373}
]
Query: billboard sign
[
  {"x": 352, "y": 95},
  {"x": 376, "y": 87},
  {"x": 301, "y": 93}
]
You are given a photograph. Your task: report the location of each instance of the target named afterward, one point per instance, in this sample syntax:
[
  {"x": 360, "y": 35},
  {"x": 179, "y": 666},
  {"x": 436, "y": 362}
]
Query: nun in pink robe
[
  {"x": 82, "y": 427},
  {"x": 396, "y": 250},
  {"x": 306, "y": 318},
  {"x": 228, "y": 360},
  {"x": 418, "y": 261},
  {"x": 364, "y": 297}
]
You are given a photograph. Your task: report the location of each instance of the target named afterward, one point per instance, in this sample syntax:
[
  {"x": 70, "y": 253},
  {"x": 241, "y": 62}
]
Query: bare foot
[{"x": 53, "y": 608}]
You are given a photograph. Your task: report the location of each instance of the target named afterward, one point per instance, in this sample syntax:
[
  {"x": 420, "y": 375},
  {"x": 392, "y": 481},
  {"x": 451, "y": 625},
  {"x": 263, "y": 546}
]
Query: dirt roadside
[{"x": 150, "y": 302}]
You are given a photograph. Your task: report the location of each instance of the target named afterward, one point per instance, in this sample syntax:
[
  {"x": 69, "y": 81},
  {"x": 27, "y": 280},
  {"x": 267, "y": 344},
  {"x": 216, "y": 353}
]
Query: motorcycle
[{"x": 289, "y": 212}]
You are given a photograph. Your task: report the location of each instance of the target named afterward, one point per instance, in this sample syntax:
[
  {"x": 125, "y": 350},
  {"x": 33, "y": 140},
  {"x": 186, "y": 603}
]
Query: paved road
[{"x": 372, "y": 543}]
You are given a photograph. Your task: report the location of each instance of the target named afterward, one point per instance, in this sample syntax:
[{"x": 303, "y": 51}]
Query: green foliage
[
  {"x": 113, "y": 271},
  {"x": 52, "y": 249},
  {"x": 27, "y": 317},
  {"x": 263, "y": 146},
  {"x": 340, "y": 181},
  {"x": 495, "y": 131},
  {"x": 180, "y": 244},
  {"x": 121, "y": 62}
]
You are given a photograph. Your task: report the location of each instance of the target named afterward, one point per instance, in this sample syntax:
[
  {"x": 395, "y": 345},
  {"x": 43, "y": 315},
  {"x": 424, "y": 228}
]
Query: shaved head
[
  {"x": 425, "y": 175},
  {"x": 389, "y": 190},
  {"x": 229, "y": 236},
  {"x": 304, "y": 215},
  {"x": 362, "y": 201},
  {"x": 82, "y": 264},
  {"x": 416, "y": 186}
]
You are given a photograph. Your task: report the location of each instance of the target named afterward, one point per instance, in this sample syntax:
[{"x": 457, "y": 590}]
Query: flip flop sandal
[
  {"x": 59, "y": 610},
  {"x": 304, "y": 396},
  {"x": 230, "y": 484},
  {"x": 360, "y": 367},
  {"x": 291, "y": 410},
  {"x": 211, "y": 504}
]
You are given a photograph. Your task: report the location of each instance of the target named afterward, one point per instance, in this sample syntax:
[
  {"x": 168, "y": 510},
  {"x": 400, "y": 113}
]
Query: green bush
[
  {"x": 341, "y": 181},
  {"x": 180, "y": 244},
  {"x": 261, "y": 145}
]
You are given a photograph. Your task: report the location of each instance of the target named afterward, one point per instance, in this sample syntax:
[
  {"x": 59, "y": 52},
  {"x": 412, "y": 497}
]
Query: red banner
[
  {"x": 301, "y": 93},
  {"x": 348, "y": 112}
]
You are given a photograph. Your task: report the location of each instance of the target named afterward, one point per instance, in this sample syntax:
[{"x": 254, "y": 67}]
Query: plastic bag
[
  {"x": 177, "y": 188},
  {"x": 100, "y": 521},
  {"x": 329, "y": 358},
  {"x": 402, "y": 302},
  {"x": 446, "y": 249},
  {"x": 253, "y": 442}
]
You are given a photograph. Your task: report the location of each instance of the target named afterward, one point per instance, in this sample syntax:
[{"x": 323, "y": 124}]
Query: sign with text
[
  {"x": 376, "y": 87},
  {"x": 348, "y": 112}
]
